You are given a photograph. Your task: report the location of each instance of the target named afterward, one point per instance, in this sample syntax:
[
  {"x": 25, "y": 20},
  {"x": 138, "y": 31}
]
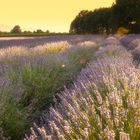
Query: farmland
[{"x": 70, "y": 88}]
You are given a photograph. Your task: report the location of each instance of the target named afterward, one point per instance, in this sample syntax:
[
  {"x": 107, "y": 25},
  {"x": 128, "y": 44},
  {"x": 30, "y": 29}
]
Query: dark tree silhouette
[
  {"x": 124, "y": 14},
  {"x": 39, "y": 31},
  {"x": 127, "y": 13},
  {"x": 16, "y": 30}
]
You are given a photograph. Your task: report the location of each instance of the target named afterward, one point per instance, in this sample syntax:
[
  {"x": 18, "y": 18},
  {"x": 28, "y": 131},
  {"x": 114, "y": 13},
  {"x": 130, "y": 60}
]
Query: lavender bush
[
  {"x": 102, "y": 104},
  {"x": 136, "y": 51},
  {"x": 1, "y": 135},
  {"x": 30, "y": 77},
  {"x": 132, "y": 43}
]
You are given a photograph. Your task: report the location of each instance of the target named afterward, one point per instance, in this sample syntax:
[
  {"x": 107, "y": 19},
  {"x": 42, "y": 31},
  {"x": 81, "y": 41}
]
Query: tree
[
  {"x": 16, "y": 30},
  {"x": 124, "y": 14},
  {"x": 27, "y": 32},
  {"x": 47, "y": 31},
  {"x": 96, "y": 21},
  {"x": 39, "y": 31},
  {"x": 127, "y": 14}
]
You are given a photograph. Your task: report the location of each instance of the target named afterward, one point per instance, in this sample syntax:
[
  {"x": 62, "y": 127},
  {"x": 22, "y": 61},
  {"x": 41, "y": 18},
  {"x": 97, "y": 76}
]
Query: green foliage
[
  {"x": 16, "y": 30},
  {"x": 38, "y": 31},
  {"x": 34, "y": 83},
  {"x": 125, "y": 14},
  {"x": 11, "y": 116}
]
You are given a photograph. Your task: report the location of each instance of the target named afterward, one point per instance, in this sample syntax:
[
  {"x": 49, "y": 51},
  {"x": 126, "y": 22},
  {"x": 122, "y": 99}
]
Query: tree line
[
  {"x": 122, "y": 17},
  {"x": 17, "y": 31}
]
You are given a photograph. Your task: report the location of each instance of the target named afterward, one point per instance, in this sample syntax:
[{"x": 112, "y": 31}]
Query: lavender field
[
  {"x": 35, "y": 41},
  {"x": 70, "y": 88}
]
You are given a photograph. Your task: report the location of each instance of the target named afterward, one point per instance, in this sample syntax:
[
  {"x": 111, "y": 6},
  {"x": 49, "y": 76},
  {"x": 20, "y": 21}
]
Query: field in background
[
  {"x": 34, "y": 41},
  {"x": 91, "y": 82}
]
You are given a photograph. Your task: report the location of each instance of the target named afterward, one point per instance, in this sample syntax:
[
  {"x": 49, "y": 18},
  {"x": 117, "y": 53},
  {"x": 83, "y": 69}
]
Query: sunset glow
[{"x": 54, "y": 15}]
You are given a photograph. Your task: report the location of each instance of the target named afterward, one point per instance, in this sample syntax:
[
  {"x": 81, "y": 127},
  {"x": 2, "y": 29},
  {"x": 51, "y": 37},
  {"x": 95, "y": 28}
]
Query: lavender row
[
  {"x": 30, "y": 77},
  {"x": 35, "y": 41},
  {"x": 103, "y": 103},
  {"x": 132, "y": 43}
]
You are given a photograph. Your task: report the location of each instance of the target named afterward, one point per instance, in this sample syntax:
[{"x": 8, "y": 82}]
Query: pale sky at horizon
[{"x": 54, "y": 15}]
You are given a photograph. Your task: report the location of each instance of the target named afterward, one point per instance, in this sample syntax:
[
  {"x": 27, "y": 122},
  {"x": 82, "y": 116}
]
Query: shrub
[
  {"x": 102, "y": 103},
  {"x": 34, "y": 76}
]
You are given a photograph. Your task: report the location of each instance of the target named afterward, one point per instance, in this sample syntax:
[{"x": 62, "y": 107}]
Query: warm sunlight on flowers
[{"x": 63, "y": 66}]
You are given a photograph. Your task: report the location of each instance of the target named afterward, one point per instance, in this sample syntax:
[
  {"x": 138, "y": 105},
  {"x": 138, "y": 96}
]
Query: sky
[{"x": 52, "y": 15}]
